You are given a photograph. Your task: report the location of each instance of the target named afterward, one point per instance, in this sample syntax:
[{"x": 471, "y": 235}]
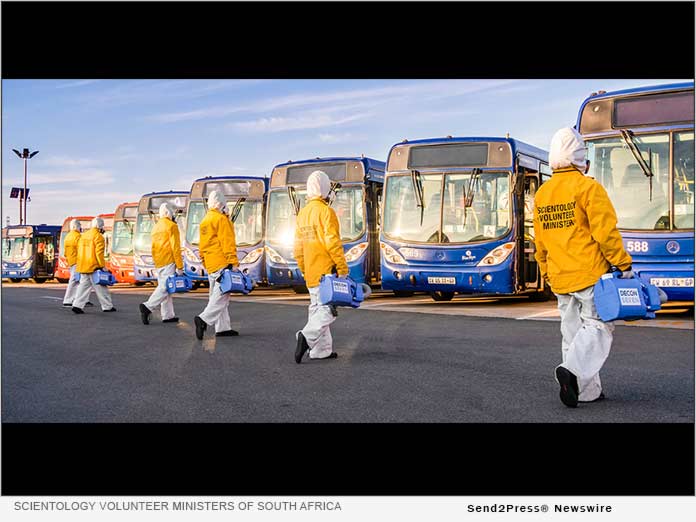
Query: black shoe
[
  {"x": 600, "y": 398},
  {"x": 227, "y": 333},
  {"x": 170, "y": 320},
  {"x": 67, "y": 304},
  {"x": 145, "y": 313},
  {"x": 77, "y": 310},
  {"x": 201, "y": 325},
  {"x": 112, "y": 309},
  {"x": 569, "y": 387},
  {"x": 332, "y": 355},
  {"x": 301, "y": 347},
  {"x": 88, "y": 304}
]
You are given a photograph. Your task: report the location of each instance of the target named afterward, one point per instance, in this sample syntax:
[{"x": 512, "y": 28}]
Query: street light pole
[{"x": 25, "y": 155}]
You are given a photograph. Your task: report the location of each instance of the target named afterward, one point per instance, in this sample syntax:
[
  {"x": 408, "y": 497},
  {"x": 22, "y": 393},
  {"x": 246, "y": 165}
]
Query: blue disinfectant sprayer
[
  {"x": 177, "y": 284},
  {"x": 234, "y": 282},
  {"x": 627, "y": 299},
  {"x": 102, "y": 277},
  {"x": 341, "y": 291}
]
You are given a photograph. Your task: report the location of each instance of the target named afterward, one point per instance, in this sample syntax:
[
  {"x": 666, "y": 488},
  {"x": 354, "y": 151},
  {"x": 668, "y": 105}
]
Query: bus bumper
[
  {"x": 676, "y": 281},
  {"x": 144, "y": 273},
  {"x": 290, "y": 275},
  {"x": 462, "y": 279},
  {"x": 15, "y": 273}
]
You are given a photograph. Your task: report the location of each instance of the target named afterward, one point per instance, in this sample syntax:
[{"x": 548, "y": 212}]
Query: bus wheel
[
  {"x": 300, "y": 289},
  {"x": 540, "y": 297},
  {"x": 441, "y": 296},
  {"x": 403, "y": 293},
  {"x": 139, "y": 283},
  {"x": 195, "y": 285},
  {"x": 15, "y": 280},
  {"x": 61, "y": 280},
  {"x": 40, "y": 280}
]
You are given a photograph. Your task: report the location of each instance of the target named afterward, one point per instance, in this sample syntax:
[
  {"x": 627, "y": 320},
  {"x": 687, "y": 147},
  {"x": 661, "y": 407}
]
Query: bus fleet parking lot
[{"x": 400, "y": 360}]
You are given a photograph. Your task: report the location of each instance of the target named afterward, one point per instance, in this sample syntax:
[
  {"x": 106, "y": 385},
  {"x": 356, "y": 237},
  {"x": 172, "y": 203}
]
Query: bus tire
[
  {"x": 541, "y": 297},
  {"x": 61, "y": 280},
  {"x": 15, "y": 280},
  {"x": 403, "y": 293},
  {"x": 439, "y": 295},
  {"x": 40, "y": 280},
  {"x": 195, "y": 285},
  {"x": 301, "y": 289},
  {"x": 139, "y": 283}
]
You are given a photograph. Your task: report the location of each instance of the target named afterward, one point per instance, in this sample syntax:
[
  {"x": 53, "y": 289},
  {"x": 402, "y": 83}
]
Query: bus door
[
  {"x": 527, "y": 272},
  {"x": 373, "y": 202},
  {"x": 43, "y": 256}
]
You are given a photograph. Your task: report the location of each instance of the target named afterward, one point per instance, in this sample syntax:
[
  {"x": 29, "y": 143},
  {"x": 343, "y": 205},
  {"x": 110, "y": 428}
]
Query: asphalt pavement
[{"x": 393, "y": 366}]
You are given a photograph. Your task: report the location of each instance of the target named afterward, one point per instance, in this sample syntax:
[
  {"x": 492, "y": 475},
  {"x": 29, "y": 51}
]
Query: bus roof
[
  {"x": 166, "y": 193},
  {"x": 214, "y": 178},
  {"x": 517, "y": 146},
  {"x": 606, "y": 125},
  {"x": 369, "y": 163},
  {"x": 42, "y": 228}
]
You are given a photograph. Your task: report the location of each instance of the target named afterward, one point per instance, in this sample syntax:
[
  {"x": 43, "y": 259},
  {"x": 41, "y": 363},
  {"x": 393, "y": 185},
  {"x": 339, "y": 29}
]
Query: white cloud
[
  {"x": 80, "y": 177},
  {"x": 345, "y": 137},
  {"x": 65, "y": 161},
  {"x": 280, "y": 124},
  {"x": 77, "y": 83}
]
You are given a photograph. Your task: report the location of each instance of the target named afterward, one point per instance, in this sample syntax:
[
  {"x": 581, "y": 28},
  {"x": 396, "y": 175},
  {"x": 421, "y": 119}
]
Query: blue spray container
[
  {"x": 178, "y": 284},
  {"x": 233, "y": 282},
  {"x": 104, "y": 278},
  {"x": 340, "y": 291},
  {"x": 626, "y": 299}
]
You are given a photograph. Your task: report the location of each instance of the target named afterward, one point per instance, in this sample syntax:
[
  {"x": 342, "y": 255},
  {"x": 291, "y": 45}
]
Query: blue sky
[{"x": 103, "y": 142}]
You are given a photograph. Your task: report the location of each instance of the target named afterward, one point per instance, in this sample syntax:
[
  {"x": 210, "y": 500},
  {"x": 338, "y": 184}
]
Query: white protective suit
[
  {"x": 586, "y": 340},
  {"x": 317, "y": 331},
  {"x": 160, "y": 297},
  {"x": 216, "y": 313},
  {"x": 86, "y": 284},
  {"x": 72, "y": 282}
]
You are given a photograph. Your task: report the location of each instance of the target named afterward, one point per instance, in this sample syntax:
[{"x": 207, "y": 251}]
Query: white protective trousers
[
  {"x": 72, "y": 287},
  {"x": 586, "y": 340},
  {"x": 160, "y": 297},
  {"x": 83, "y": 290},
  {"x": 317, "y": 331},
  {"x": 216, "y": 313}
]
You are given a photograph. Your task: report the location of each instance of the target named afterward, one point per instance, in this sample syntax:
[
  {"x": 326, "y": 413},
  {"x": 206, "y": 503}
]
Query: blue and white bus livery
[
  {"x": 458, "y": 217},
  {"x": 30, "y": 252}
]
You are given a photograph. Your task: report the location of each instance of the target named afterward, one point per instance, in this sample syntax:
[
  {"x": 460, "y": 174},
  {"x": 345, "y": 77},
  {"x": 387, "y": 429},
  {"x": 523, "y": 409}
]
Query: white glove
[
  {"x": 662, "y": 294},
  {"x": 179, "y": 272},
  {"x": 367, "y": 291}
]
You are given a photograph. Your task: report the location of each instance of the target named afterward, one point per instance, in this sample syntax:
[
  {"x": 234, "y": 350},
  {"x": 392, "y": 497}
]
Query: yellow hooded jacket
[
  {"x": 218, "y": 246},
  {"x": 575, "y": 232},
  {"x": 90, "y": 251},
  {"x": 166, "y": 244},
  {"x": 70, "y": 246},
  {"x": 318, "y": 248}
]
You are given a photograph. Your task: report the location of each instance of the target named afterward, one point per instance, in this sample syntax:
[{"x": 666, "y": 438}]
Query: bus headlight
[
  {"x": 392, "y": 255},
  {"x": 252, "y": 256},
  {"x": 275, "y": 256},
  {"x": 497, "y": 255},
  {"x": 355, "y": 252},
  {"x": 190, "y": 256}
]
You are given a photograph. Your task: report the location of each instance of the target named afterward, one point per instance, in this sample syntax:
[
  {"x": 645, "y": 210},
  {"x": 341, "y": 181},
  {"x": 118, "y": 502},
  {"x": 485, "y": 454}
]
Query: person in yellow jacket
[
  {"x": 70, "y": 252},
  {"x": 576, "y": 243},
  {"x": 166, "y": 255},
  {"x": 90, "y": 258},
  {"x": 218, "y": 251},
  {"x": 318, "y": 251}
]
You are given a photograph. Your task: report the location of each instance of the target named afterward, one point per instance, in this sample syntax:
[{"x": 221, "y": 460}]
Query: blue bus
[
  {"x": 30, "y": 251},
  {"x": 357, "y": 182},
  {"x": 245, "y": 197},
  {"x": 457, "y": 217},
  {"x": 640, "y": 143},
  {"x": 148, "y": 214}
]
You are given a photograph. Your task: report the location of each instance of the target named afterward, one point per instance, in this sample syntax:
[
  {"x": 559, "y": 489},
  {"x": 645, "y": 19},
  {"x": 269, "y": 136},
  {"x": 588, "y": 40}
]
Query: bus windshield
[
  {"x": 142, "y": 241},
  {"x": 638, "y": 205},
  {"x": 122, "y": 238},
  {"x": 16, "y": 249},
  {"x": 348, "y": 204},
  {"x": 443, "y": 218},
  {"x": 248, "y": 228}
]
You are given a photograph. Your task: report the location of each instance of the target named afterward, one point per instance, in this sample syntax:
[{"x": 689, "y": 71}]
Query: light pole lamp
[{"x": 25, "y": 155}]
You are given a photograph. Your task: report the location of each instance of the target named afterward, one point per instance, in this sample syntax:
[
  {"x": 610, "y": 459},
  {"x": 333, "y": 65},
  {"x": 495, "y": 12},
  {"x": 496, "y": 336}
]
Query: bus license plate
[
  {"x": 441, "y": 280},
  {"x": 672, "y": 281}
]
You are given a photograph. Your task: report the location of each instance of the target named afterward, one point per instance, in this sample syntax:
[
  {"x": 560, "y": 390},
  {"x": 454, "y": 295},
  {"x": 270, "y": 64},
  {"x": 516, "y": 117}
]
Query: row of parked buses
[{"x": 443, "y": 216}]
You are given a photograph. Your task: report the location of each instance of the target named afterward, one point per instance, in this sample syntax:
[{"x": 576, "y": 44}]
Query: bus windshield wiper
[
  {"x": 236, "y": 209},
  {"x": 417, "y": 182},
  {"x": 292, "y": 194},
  {"x": 469, "y": 191},
  {"x": 645, "y": 167}
]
